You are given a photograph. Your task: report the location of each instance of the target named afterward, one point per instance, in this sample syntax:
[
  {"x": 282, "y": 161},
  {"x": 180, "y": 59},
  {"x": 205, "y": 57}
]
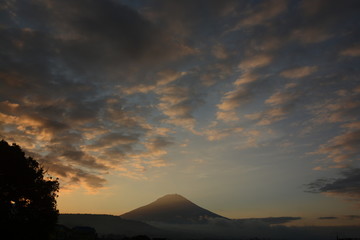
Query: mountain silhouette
[
  {"x": 108, "y": 224},
  {"x": 171, "y": 208}
]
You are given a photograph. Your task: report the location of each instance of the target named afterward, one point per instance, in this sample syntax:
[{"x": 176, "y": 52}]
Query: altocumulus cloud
[
  {"x": 91, "y": 87},
  {"x": 56, "y": 58}
]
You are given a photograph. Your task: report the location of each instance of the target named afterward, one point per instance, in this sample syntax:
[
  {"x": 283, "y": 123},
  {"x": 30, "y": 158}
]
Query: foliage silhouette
[{"x": 27, "y": 200}]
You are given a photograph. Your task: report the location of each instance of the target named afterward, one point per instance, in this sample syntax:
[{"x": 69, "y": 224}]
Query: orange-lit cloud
[
  {"x": 281, "y": 98},
  {"x": 299, "y": 72},
  {"x": 263, "y": 12},
  {"x": 227, "y": 116},
  {"x": 162, "y": 78},
  {"x": 175, "y": 103},
  {"x": 342, "y": 148},
  {"x": 351, "y": 52},
  {"x": 218, "y": 134},
  {"x": 255, "y": 62},
  {"x": 246, "y": 78},
  {"x": 219, "y": 51},
  {"x": 233, "y": 99}
]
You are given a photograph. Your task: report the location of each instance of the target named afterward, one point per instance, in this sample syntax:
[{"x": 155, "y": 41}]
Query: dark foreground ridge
[
  {"x": 171, "y": 208},
  {"x": 108, "y": 224}
]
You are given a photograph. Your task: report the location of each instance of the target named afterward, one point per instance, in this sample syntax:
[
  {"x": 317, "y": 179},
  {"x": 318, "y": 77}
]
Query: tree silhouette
[{"x": 27, "y": 200}]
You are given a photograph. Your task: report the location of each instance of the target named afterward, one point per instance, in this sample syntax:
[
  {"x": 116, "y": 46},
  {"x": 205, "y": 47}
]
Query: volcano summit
[{"x": 171, "y": 208}]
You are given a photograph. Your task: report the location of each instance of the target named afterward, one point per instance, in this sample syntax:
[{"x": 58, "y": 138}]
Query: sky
[{"x": 250, "y": 109}]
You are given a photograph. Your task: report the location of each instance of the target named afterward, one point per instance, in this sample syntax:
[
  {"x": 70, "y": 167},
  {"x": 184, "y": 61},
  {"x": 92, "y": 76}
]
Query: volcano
[{"x": 171, "y": 208}]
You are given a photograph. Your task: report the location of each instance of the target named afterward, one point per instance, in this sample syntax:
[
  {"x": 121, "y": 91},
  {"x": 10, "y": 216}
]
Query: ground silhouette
[{"x": 27, "y": 200}]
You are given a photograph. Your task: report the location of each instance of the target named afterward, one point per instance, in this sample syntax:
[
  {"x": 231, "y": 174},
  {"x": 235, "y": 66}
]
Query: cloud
[
  {"x": 219, "y": 51},
  {"x": 299, "y": 72},
  {"x": 227, "y": 116},
  {"x": 178, "y": 103},
  {"x": 261, "y": 13},
  {"x": 347, "y": 186},
  {"x": 341, "y": 108},
  {"x": 91, "y": 180},
  {"x": 215, "y": 73},
  {"x": 60, "y": 64},
  {"x": 256, "y": 61},
  {"x": 218, "y": 134},
  {"x": 91, "y": 38},
  {"x": 319, "y": 22},
  {"x": 267, "y": 43},
  {"x": 268, "y": 116},
  {"x": 98, "y": 29},
  {"x": 112, "y": 139},
  {"x": 137, "y": 162},
  {"x": 184, "y": 18},
  {"x": 8, "y": 107},
  {"x": 272, "y": 115},
  {"x": 72, "y": 177},
  {"x": 325, "y": 9},
  {"x": 341, "y": 149},
  {"x": 155, "y": 144},
  {"x": 281, "y": 98},
  {"x": 82, "y": 54},
  {"x": 103, "y": 86},
  {"x": 160, "y": 131},
  {"x": 246, "y": 78},
  {"x": 344, "y": 148},
  {"x": 309, "y": 35},
  {"x": 253, "y": 137},
  {"x": 327, "y": 218},
  {"x": 261, "y": 228},
  {"x": 272, "y": 220},
  {"x": 351, "y": 52},
  {"x": 312, "y": 7},
  {"x": 234, "y": 99},
  {"x": 162, "y": 78},
  {"x": 352, "y": 217},
  {"x": 83, "y": 159}
]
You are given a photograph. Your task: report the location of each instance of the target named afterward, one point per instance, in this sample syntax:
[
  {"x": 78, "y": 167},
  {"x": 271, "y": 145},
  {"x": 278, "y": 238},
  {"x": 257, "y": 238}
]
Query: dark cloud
[
  {"x": 352, "y": 217},
  {"x": 83, "y": 159},
  {"x": 272, "y": 220},
  {"x": 322, "y": 9},
  {"x": 107, "y": 34},
  {"x": 85, "y": 40},
  {"x": 159, "y": 143},
  {"x": 185, "y": 19},
  {"x": 73, "y": 175},
  {"x": 347, "y": 186}
]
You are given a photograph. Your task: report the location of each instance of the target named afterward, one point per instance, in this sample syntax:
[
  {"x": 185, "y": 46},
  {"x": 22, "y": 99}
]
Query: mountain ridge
[
  {"x": 171, "y": 208},
  {"x": 108, "y": 224}
]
